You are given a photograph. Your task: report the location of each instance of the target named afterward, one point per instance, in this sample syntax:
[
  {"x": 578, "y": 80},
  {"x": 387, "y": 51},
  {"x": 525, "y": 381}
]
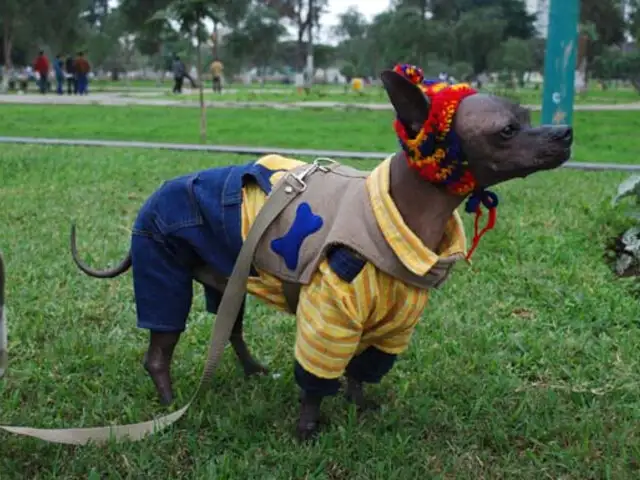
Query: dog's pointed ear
[{"x": 411, "y": 105}]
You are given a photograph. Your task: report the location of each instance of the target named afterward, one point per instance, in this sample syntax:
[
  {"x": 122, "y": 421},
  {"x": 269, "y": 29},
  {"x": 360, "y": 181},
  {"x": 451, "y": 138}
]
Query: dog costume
[{"x": 363, "y": 277}]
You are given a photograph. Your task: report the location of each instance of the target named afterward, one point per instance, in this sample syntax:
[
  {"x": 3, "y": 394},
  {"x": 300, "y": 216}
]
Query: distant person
[
  {"x": 41, "y": 67},
  {"x": 58, "y": 69},
  {"x": 178, "y": 74},
  {"x": 70, "y": 70},
  {"x": 82, "y": 69},
  {"x": 216, "y": 73},
  {"x": 190, "y": 78}
]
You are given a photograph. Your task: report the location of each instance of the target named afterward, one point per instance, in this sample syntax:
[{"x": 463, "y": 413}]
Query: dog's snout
[{"x": 563, "y": 134}]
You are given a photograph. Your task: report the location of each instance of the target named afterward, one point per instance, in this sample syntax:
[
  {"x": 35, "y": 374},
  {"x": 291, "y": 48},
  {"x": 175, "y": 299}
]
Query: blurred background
[{"x": 133, "y": 43}]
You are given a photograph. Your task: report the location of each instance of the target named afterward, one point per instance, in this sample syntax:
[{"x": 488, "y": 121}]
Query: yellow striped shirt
[{"x": 337, "y": 319}]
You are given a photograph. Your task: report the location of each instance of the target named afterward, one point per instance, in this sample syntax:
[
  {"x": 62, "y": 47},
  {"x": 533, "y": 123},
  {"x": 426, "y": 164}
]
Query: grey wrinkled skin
[{"x": 496, "y": 134}]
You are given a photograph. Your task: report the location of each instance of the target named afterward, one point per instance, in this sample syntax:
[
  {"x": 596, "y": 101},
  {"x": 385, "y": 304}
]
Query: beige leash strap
[
  {"x": 291, "y": 293},
  {"x": 232, "y": 298}
]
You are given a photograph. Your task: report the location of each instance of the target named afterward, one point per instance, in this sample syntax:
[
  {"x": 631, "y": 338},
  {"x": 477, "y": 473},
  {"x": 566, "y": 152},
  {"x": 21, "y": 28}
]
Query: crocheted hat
[{"x": 436, "y": 152}]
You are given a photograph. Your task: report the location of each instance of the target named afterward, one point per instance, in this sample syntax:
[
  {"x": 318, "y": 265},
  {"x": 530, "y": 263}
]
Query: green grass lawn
[
  {"x": 606, "y": 136},
  {"x": 373, "y": 94},
  {"x": 525, "y": 366}
]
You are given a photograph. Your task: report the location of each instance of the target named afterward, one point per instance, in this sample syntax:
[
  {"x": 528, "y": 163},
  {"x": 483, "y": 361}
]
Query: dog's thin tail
[
  {"x": 4, "y": 354},
  {"x": 109, "y": 273}
]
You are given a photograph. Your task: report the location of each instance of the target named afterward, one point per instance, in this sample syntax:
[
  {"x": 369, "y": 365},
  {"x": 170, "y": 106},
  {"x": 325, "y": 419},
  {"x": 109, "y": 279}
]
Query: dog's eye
[{"x": 508, "y": 131}]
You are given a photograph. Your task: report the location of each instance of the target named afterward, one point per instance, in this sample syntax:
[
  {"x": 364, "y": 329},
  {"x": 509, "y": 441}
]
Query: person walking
[
  {"x": 216, "y": 74},
  {"x": 178, "y": 74},
  {"x": 41, "y": 67},
  {"x": 69, "y": 67}
]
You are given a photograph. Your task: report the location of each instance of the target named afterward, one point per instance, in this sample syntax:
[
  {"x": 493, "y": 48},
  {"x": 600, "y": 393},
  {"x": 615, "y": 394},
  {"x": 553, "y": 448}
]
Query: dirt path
[{"x": 119, "y": 99}]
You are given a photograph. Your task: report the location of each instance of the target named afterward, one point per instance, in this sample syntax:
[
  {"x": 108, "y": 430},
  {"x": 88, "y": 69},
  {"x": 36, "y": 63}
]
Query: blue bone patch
[{"x": 288, "y": 246}]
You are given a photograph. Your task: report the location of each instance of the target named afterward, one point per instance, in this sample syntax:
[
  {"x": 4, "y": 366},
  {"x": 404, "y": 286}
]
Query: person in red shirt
[
  {"x": 82, "y": 69},
  {"x": 41, "y": 66}
]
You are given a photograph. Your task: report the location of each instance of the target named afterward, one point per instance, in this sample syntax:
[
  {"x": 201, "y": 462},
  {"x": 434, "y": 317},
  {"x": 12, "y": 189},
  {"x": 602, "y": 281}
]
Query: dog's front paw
[
  {"x": 309, "y": 420},
  {"x": 307, "y": 430},
  {"x": 354, "y": 393}
]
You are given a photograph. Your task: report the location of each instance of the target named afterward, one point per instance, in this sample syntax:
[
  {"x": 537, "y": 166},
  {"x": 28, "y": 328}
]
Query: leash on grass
[{"x": 282, "y": 194}]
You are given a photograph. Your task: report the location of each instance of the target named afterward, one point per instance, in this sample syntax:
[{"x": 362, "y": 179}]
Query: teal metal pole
[{"x": 560, "y": 62}]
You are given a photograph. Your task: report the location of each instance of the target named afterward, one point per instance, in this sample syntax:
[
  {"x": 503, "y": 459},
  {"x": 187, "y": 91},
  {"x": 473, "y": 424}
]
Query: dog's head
[{"x": 495, "y": 137}]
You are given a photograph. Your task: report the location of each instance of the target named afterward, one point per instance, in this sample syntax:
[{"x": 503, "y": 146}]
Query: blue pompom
[{"x": 486, "y": 197}]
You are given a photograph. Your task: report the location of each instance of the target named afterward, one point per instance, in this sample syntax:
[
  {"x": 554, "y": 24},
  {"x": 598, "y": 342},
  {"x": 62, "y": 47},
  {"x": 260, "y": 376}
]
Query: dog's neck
[{"x": 424, "y": 207}]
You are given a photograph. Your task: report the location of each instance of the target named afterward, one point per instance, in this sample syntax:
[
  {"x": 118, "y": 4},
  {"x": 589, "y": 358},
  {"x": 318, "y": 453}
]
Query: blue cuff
[
  {"x": 371, "y": 365},
  {"x": 315, "y": 386}
]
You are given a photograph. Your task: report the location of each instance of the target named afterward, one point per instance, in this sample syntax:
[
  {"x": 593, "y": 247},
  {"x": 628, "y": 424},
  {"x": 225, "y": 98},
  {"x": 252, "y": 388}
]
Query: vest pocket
[{"x": 175, "y": 205}]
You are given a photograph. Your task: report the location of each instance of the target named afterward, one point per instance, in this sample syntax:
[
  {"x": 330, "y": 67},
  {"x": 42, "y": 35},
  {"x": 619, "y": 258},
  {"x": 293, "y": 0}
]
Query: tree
[
  {"x": 614, "y": 64},
  {"x": 190, "y": 16},
  {"x": 514, "y": 58},
  {"x": 97, "y": 13},
  {"x": 602, "y": 24},
  {"x": 633, "y": 25},
  {"x": 422, "y": 7},
  {"x": 32, "y": 25},
  {"x": 352, "y": 24},
  {"x": 255, "y": 39},
  {"x": 518, "y": 22},
  {"x": 305, "y": 16},
  {"x": 135, "y": 16},
  {"x": 402, "y": 36},
  {"x": 110, "y": 46},
  {"x": 12, "y": 18},
  {"x": 476, "y": 35},
  {"x": 353, "y": 50}
]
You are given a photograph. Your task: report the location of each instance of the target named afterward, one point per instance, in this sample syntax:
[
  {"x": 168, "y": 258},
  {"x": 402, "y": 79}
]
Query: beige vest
[{"x": 340, "y": 197}]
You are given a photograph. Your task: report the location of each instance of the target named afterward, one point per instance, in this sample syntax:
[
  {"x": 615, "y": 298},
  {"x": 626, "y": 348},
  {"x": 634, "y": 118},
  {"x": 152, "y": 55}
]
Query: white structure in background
[{"x": 540, "y": 8}]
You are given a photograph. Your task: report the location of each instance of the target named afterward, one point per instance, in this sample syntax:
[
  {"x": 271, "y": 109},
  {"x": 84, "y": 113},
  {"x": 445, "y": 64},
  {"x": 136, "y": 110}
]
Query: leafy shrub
[{"x": 629, "y": 257}]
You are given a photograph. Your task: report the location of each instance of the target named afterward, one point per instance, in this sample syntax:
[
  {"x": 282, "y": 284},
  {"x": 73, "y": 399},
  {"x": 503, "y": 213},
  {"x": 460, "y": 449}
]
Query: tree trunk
[
  {"x": 8, "y": 47},
  {"x": 302, "y": 22},
  {"x": 215, "y": 40},
  {"x": 309, "y": 63},
  {"x": 203, "y": 108}
]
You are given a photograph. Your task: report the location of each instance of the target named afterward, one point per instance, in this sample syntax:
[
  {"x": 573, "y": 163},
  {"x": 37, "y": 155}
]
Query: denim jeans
[{"x": 189, "y": 220}]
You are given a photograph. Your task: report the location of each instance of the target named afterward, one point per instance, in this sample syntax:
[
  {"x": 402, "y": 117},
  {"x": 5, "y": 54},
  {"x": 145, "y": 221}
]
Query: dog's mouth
[
  {"x": 548, "y": 162},
  {"x": 563, "y": 156}
]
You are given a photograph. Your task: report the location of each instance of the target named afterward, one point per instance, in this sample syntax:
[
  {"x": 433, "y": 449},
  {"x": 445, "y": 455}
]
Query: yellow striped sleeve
[
  {"x": 400, "y": 308},
  {"x": 330, "y": 318}
]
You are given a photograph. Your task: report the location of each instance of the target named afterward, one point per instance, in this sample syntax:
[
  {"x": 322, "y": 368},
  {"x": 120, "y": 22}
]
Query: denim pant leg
[
  {"x": 163, "y": 257},
  {"x": 163, "y": 286}
]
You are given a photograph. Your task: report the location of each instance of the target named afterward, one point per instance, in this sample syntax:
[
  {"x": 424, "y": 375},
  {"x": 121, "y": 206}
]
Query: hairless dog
[{"x": 455, "y": 142}]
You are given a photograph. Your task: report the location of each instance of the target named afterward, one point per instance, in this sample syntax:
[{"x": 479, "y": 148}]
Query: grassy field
[
  {"x": 524, "y": 366},
  {"x": 600, "y": 136}
]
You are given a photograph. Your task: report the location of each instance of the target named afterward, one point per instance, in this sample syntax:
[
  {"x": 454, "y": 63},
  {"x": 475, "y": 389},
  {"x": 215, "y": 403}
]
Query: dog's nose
[{"x": 563, "y": 133}]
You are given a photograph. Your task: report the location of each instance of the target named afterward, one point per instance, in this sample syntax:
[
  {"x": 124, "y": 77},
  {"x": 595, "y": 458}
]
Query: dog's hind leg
[
  {"x": 249, "y": 364},
  {"x": 157, "y": 362}
]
